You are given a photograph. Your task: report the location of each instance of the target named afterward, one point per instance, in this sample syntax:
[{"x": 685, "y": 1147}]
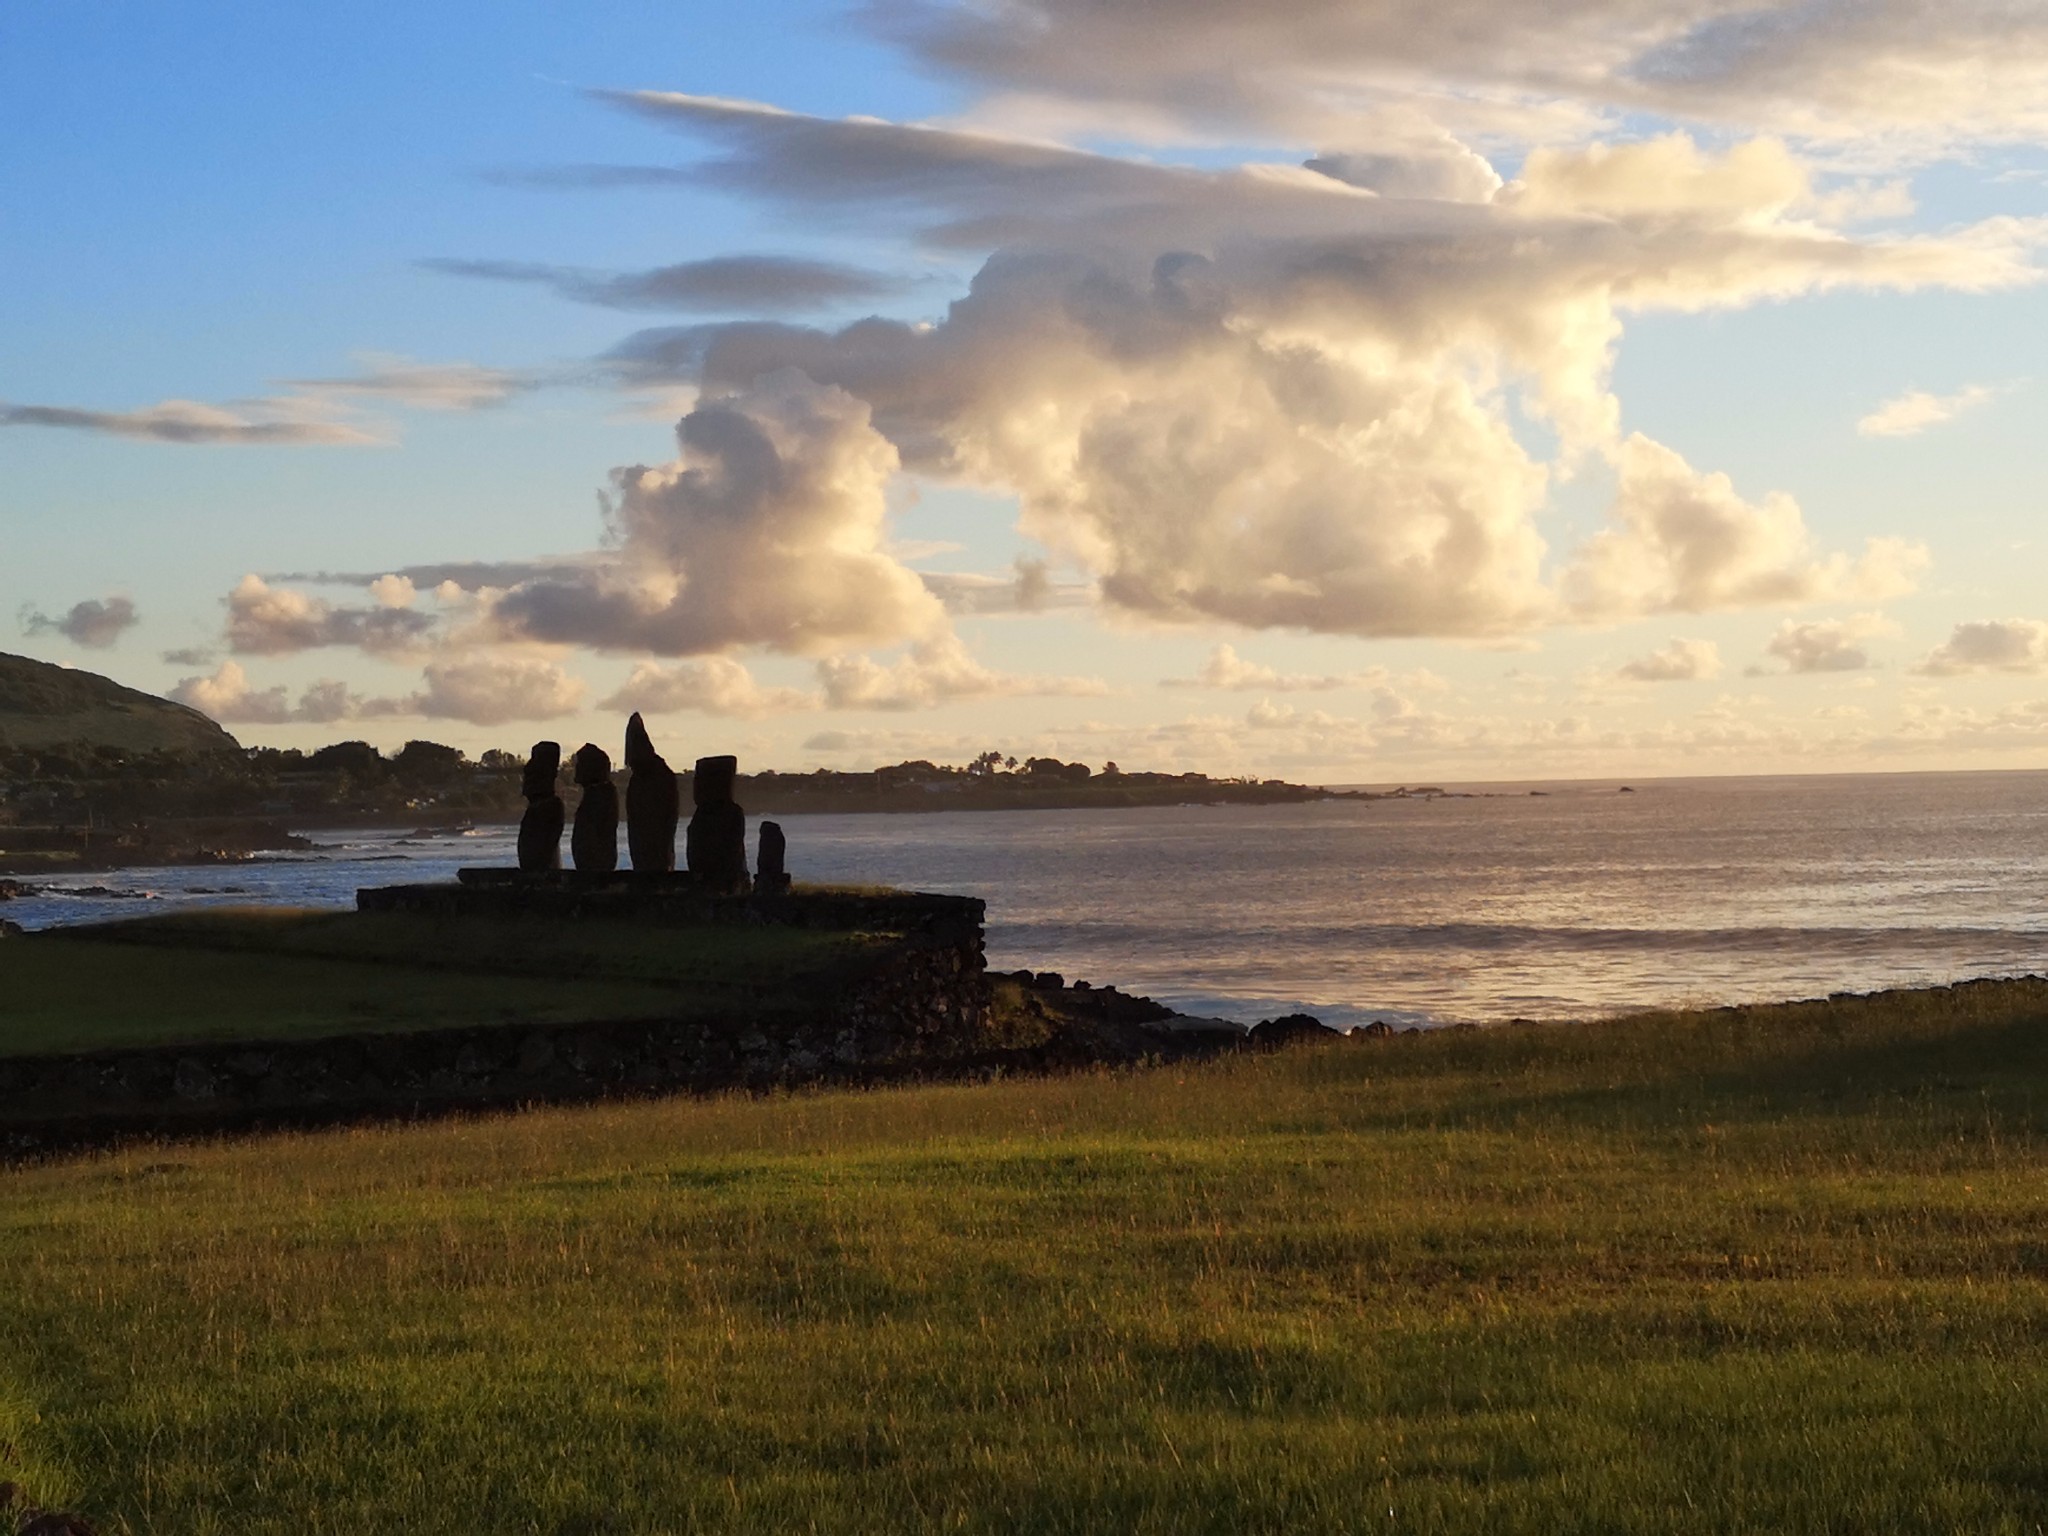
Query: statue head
[
  {"x": 593, "y": 765},
  {"x": 640, "y": 751},
  {"x": 542, "y": 769}
]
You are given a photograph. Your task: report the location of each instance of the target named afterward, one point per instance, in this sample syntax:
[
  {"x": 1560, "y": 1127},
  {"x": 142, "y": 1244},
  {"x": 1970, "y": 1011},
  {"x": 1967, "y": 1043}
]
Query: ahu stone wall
[{"x": 921, "y": 1006}]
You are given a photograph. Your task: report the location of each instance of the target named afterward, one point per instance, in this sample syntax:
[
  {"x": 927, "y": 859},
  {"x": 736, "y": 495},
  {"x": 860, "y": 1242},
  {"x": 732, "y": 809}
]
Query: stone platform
[
  {"x": 678, "y": 900},
  {"x": 915, "y": 1000}
]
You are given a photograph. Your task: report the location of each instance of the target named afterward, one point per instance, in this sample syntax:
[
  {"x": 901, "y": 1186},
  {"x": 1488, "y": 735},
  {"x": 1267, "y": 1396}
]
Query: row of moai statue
[{"x": 715, "y": 846}]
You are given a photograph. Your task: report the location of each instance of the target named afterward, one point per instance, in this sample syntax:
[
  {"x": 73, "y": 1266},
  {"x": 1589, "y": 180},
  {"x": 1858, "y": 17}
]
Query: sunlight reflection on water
[{"x": 1576, "y": 902}]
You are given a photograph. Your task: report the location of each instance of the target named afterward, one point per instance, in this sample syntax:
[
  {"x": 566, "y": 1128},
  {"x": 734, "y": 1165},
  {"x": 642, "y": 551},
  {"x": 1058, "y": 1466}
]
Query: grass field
[
  {"x": 277, "y": 973},
  {"x": 1768, "y": 1270}
]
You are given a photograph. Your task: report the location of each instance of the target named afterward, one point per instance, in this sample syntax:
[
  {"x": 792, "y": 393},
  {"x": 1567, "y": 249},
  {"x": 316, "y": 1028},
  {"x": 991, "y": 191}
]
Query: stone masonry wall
[{"x": 923, "y": 1003}]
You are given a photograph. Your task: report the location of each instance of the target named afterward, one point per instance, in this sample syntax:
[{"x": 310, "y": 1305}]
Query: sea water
[{"x": 1540, "y": 901}]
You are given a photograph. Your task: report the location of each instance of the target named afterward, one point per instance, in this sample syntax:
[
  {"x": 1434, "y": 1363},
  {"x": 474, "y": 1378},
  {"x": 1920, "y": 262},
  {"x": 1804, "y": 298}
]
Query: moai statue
[
  {"x": 770, "y": 877},
  {"x": 540, "y": 829},
  {"x": 717, "y": 840},
  {"x": 653, "y": 803},
  {"x": 594, "y": 842}
]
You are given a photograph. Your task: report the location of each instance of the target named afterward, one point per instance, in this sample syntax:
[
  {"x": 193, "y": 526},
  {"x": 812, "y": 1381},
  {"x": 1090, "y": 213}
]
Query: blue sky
[{"x": 1372, "y": 495}]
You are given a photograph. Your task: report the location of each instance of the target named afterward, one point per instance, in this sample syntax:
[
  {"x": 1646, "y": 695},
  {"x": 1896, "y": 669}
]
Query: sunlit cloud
[{"x": 1911, "y": 414}]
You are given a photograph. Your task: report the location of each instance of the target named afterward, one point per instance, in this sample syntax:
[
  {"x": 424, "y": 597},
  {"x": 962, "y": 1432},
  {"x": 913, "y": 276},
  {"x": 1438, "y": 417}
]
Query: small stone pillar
[
  {"x": 770, "y": 877},
  {"x": 653, "y": 803},
  {"x": 716, "y": 843},
  {"x": 540, "y": 829},
  {"x": 594, "y": 843}
]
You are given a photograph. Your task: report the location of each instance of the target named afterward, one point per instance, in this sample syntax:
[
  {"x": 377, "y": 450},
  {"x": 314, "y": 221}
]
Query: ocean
[{"x": 1537, "y": 901}]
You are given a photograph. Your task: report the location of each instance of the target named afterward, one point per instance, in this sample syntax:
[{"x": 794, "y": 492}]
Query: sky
[{"x": 1338, "y": 390}]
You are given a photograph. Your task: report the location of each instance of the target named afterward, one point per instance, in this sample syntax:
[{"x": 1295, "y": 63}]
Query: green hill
[{"x": 49, "y": 706}]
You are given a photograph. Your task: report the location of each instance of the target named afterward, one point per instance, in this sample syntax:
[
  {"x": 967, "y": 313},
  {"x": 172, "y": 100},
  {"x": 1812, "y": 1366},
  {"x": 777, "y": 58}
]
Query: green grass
[
  {"x": 1767, "y": 1270},
  {"x": 271, "y": 974}
]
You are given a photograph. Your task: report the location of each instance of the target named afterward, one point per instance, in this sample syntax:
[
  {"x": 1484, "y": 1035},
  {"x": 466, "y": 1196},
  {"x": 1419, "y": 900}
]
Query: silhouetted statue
[
  {"x": 594, "y": 843},
  {"x": 653, "y": 803},
  {"x": 770, "y": 877},
  {"x": 717, "y": 839},
  {"x": 540, "y": 829}
]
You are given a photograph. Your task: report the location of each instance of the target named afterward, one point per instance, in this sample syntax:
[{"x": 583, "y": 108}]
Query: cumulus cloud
[
  {"x": 481, "y": 690},
  {"x": 1269, "y": 397},
  {"x": 96, "y": 622},
  {"x": 1285, "y": 395},
  {"x": 1681, "y": 661},
  {"x": 229, "y": 697},
  {"x": 394, "y": 591},
  {"x": 492, "y": 690},
  {"x": 1830, "y": 645},
  {"x": 1226, "y": 670},
  {"x": 710, "y": 685},
  {"x": 280, "y": 422},
  {"x": 767, "y": 530},
  {"x": 1688, "y": 542},
  {"x": 1990, "y": 645},
  {"x": 273, "y": 621},
  {"x": 1909, "y": 415},
  {"x": 718, "y": 285},
  {"x": 932, "y": 672}
]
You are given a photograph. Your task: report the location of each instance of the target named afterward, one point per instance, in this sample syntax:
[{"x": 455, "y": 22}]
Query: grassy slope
[
  {"x": 44, "y": 705},
  {"x": 1769, "y": 1270},
  {"x": 274, "y": 973}
]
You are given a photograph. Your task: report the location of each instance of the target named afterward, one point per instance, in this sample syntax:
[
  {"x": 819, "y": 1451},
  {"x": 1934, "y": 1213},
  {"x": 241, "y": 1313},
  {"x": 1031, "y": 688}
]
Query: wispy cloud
[
  {"x": 1910, "y": 414},
  {"x": 285, "y": 421},
  {"x": 1227, "y": 671},
  {"x": 424, "y": 386},
  {"x": 753, "y": 284}
]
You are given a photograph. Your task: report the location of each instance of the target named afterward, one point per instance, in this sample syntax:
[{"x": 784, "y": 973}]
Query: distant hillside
[{"x": 47, "y": 706}]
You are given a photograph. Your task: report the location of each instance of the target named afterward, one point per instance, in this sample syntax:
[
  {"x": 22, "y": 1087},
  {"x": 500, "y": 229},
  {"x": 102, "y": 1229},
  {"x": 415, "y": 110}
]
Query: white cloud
[
  {"x": 1680, "y": 661},
  {"x": 711, "y": 685},
  {"x": 1687, "y": 542},
  {"x": 1268, "y": 397},
  {"x": 1911, "y": 414},
  {"x": 481, "y": 690},
  {"x": 933, "y": 672},
  {"x": 492, "y": 690},
  {"x": 1226, "y": 670},
  {"x": 394, "y": 591},
  {"x": 228, "y": 697},
  {"x": 272, "y": 621},
  {"x": 1907, "y": 77},
  {"x": 769, "y": 530},
  {"x": 1990, "y": 645}
]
